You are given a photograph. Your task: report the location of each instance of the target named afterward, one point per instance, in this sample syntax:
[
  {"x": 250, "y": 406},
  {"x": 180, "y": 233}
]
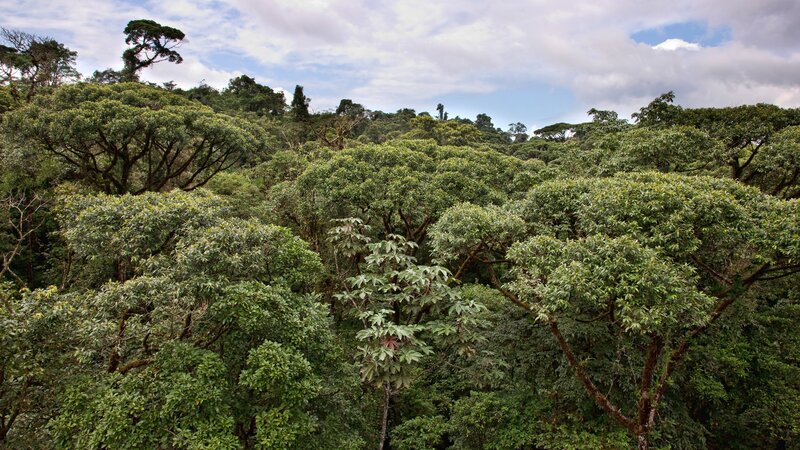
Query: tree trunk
[
  {"x": 642, "y": 441},
  {"x": 387, "y": 396}
]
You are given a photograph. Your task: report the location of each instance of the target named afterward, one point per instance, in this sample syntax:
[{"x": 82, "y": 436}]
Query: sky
[{"x": 531, "y": 61}]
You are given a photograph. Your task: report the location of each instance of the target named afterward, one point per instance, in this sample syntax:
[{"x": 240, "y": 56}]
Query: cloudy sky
[{"x": 533, "y": 61}]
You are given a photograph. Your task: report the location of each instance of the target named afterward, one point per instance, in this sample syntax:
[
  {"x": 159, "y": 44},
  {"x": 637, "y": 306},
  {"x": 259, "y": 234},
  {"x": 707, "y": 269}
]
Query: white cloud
[
  {"x": 192, "y": 72},
  {"x": 676, "y": 44},
  {"x": 389, "y": 54}
]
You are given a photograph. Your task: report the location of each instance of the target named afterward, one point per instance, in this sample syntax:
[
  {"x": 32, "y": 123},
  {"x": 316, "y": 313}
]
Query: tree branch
[
  {"x": 590, "y": 387},
  {"x": 506, "y": 293}
]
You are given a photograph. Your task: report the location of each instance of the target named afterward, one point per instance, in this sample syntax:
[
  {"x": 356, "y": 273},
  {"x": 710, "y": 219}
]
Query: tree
[
  {"x": 483, "y": 122},
  {"x": 244, "y": 94},
  {"x": 517, "y": 131},
  {"x": 556, "y": 132},
  {"x": 21, "y": 222},
  {"x": 445, "y": 132},
  {"x": 386, "y": 126},
  {"x": 442, "y": 114},
  {"x": 490, "y": 134},
  {"x": 205, "y": 94},
  {"x": 605, "y": 117},
  {"x": 733, "y": 380},
  {"x": 349, "y": 108},
  {"x": 107, "y": 76},
  {"x": 395, "y": 298},
  {"x": 675, "y": 149},
  {"x": 642, "y": 263},
  {"x": 152, "y": 43},
  {"x": 659, "y": 112},
  {"x": 131, "y": 138},
  {"x": 632, "y": 288},
  {"x": 744, "y": 131},
  {"x": 111, "y": 236},
  {"x": 29, "y": 63},
  {"x": 299, "y": 105},
  {"x": 776, "y": 170},
  {"x": 213, "y": 339},
  {"x": 333, "y": 129}
]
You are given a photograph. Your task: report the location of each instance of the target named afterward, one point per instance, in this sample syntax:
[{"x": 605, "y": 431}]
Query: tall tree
[
  {"x": 152, "y": 43},
  {"x": 440, "y": 109},
  {"x": 518, "y": 131},
  {"x": 300, "y": 105},
  {"x": 483, "y": 122},
  {"x": 348, "y": 107},
  {"x": 776, "y": 170},
  {"x": 402, "y": 187}
]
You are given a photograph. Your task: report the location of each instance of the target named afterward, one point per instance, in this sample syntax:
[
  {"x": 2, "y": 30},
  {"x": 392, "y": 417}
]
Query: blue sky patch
[
  {"x": 696, "y": 32},
  {"x": 539, "y": 102}
]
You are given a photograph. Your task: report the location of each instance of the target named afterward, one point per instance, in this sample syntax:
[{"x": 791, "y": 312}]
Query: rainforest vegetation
[{"x": 224, "y": 269}]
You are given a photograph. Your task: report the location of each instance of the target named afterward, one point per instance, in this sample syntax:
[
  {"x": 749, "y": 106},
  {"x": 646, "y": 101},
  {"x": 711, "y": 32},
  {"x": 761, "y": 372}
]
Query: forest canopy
[{"x": 229, "y": 269}]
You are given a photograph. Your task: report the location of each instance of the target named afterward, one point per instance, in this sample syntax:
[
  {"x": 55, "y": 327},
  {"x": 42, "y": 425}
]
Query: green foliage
[
  {"x": 742, "y": 126},
  {"x": 192, "y": 350},
  {"x": 444, "y": 132},
  {"x": 467, "y": 228},
  {"x": 388, "y": 296},
  {"x": 419, "y": 433},
  {"x": 299, "y": 105},
  {"x": 241, "y": 192},
  {"x": 514, "y": 420},
  {"x": 623, "y": 264},
  {"x": 681, "y": 216},
  {"x": 674, "y": 149},
  {"x": 556, "y": 132},
  {"x": 485, "y": 420},
  {"x": 36, "y": 340},
  {"x": 25, "y": 169},
  {"x": 133, "y": 138},
  {"x": 180, "y": 401},
  {"x": 743, "y": 130},
  {"x": 641, "y": 291},
  {"x": 236, "y": 249},
  {"x": 659, "y": 112},
  {"x": 384, "y": 127},
  {"x": 405, "y": 309},
  {"x": 603, "y": 122},
  {"x": 776, "y": 169},
  {"x": 117, "y": 233},
  {"x": 244, "y": 94},
  {"x": 598, "y": 283},
  {"x": 280, "y": 372},
  {"x": 279, "y": 429},
  {"x": 390, "y": 352},
  {"x": 402, "y": 187},
  {"x": 6, "y": 99},
  {"x": 517, "y": 131},
  {"x": 742, "y": 381}
]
